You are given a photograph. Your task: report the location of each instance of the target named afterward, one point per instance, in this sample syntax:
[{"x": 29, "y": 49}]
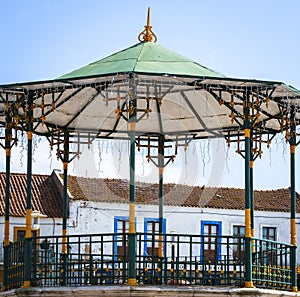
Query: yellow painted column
[
  {"x": 6, "y": 263},
  {"x": 248, "y": 232},
  {"x": 65, "y": 210},
  {"x": 28, "y": 233},
  {"x": 293, "y": 215},
  {"x": 132, "y": 233},
  {"x": 64, "y": 249},
  {"x": 7, "y": 198},
  {"x": 252, "y": 202},
  {"x": 160, "y": 242}
]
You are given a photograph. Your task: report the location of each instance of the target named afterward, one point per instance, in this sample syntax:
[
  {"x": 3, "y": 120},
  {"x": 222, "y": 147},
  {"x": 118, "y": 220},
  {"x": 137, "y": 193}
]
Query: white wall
[
  {"x": 48, "y": 226},
  {"x": 98, "y": 217}
]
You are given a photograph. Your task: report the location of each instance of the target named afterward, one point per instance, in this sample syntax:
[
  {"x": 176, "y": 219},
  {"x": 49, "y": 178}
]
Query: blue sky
[{"x": 43, "y": 39}]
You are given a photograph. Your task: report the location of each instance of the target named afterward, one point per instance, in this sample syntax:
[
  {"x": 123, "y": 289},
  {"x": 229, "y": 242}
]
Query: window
[
  {"x": 238, "y": 242},
  {"x": 211, "y": 247},
  {"x": 121, "y": 226},
  {"x": 19, "y": 235},
  {"x": 269, "y": 248},
  {"x": 269, "y": 233},
  {"x": 151, "y": 227}
]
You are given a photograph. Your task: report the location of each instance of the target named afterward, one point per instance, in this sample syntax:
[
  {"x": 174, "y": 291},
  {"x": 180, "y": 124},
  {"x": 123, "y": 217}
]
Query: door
[
  {"x": 122, "y": 228},
  {"x": 152, "y": 242},
  {"x": 211, "y": 247}
]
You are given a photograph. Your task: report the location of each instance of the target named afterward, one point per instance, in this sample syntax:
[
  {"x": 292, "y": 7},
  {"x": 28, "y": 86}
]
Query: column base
[
  {"x": 249, "y": 285},
  {"x": 295, "y": 289},
  {"x": 132, "y": 282},
  {"x": 27, "y": 284}
]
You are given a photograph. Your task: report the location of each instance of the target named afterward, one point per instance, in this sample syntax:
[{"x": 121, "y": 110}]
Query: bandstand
[{"x": 155, "y": 99}]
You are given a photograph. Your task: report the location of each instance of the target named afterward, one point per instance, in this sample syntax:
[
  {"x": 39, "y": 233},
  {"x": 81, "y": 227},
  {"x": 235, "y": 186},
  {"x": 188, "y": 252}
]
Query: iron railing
[
  {"x": 14, "y": 254},
  {"x": 170, "y": 259},
  {"x": 271, "y": 264}
]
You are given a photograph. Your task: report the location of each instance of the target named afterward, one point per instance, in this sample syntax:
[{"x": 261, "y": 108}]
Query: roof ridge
[
  {"x": 174, "y": 184},
  {"x": 114, "y": 54},
  {"x": 203, "y": 187},
  {"x": 139, "y": 55}
]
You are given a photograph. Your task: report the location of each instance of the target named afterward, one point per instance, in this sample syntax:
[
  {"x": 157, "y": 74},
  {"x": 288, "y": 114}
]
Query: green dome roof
[{"x": 147, "y": 58}]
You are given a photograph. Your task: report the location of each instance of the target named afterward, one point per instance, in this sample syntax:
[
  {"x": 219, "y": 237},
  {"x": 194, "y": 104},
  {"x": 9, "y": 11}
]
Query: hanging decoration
[{"x": 100, "y": 152}]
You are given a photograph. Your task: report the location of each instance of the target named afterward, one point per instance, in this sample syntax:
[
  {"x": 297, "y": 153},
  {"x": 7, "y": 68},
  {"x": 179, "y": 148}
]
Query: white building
[
  {"x": 101, "y": 206},
  {"x": 98, "y": 206}
]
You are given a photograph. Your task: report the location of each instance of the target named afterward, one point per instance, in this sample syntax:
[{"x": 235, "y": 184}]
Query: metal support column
[
  {"x": 252, "y": 193},
  {"x": 161, "y": 154},
  {"x": 28, "y": 234},
  {"x": 65, "y": 191},
  {"x": 64, "y": 255},
  {"x": 248, "y": 235},
  {"x": 293, "y": 260},
  {"x": 8, "y": 137},
  {"x": 132, "y": 233}
]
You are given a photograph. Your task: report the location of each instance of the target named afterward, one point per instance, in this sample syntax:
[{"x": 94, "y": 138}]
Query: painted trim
[
  {"x": 119, "y": 218},
  {"x": 156, "y": 220},
  {"x": 116, "y": 219},
  {"x": 219, "y": 224},
  {"x": 21, "y": 228}
]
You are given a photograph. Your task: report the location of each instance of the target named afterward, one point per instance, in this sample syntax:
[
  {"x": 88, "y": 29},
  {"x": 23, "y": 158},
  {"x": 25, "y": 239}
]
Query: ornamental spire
[{"x": 147, "y": 35}]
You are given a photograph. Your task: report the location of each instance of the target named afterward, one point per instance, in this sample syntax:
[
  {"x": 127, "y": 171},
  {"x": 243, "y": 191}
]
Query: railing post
[{"x": 248, "y": 233}]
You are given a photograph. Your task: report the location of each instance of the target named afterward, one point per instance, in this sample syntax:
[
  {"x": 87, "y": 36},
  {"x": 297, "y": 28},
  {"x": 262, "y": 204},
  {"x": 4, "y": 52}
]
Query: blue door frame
[
  {"x": 219, "y": 224},
  {"x": 156, "y": 220}
]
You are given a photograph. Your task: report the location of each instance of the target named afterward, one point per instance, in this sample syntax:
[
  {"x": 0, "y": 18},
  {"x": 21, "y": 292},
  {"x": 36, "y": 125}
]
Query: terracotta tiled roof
[
  {"x": 46, "y": 195},
  {"x": 117, "y": 190}
]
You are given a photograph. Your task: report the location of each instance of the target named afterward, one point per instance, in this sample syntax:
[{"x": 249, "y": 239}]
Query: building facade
[{"x": 100, "y": 206}]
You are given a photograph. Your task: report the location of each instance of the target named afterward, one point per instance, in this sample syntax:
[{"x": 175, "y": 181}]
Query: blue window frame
[
  {"x": 121, "y": 228},
  {"x": 151, "y": 226},
  {"x": 211, "y": 246}
]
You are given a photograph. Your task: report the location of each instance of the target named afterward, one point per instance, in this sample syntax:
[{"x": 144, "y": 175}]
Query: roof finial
[{"x": 147, "y": 34}]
